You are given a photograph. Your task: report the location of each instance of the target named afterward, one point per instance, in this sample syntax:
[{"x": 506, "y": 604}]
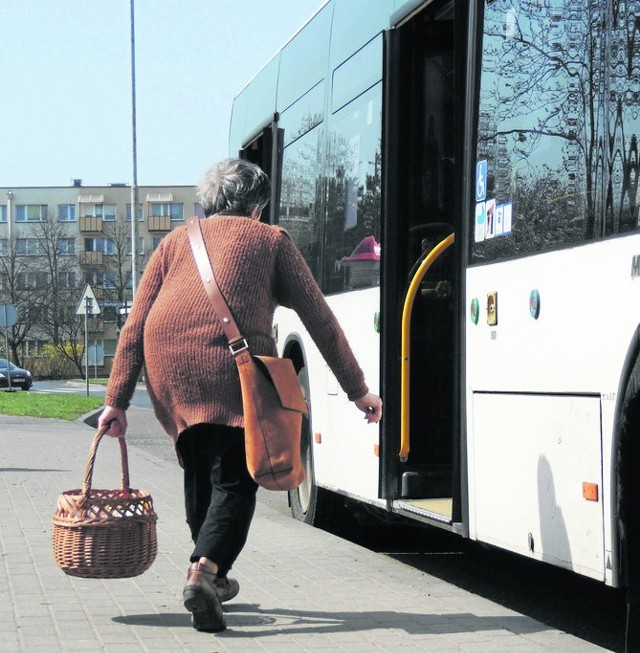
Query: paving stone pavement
[{"x": 302, "y": 589}]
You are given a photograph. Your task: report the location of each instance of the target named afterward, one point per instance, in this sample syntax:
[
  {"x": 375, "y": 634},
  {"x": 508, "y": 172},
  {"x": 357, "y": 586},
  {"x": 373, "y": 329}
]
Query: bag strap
[{"x": 237, "y": 342}]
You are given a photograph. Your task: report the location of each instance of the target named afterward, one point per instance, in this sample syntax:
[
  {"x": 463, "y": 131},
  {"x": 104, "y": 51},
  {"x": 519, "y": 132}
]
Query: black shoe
[
  {"x": 201, "y": 599},
  {"x": 226, "y": 588}
]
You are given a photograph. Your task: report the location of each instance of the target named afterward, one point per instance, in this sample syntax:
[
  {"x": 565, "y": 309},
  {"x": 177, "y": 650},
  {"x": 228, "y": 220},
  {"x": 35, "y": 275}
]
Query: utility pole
[
  {"x": 88, "y": 309},
  {"x": 134, "y": 185}
]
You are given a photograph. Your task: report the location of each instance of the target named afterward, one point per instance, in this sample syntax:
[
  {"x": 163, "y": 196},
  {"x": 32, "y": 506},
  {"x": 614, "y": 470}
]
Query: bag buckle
[{"x": 238, "y": 346}]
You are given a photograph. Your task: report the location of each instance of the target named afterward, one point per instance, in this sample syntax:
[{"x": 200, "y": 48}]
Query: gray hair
[{"x": 234, "y": 187}]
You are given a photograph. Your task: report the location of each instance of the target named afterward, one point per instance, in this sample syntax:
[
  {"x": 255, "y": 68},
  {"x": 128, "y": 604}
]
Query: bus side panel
[
  {"x": 576, "y": 345},
  {"x": 532, "y": 455},
  {"x": 346, "y": 458}
]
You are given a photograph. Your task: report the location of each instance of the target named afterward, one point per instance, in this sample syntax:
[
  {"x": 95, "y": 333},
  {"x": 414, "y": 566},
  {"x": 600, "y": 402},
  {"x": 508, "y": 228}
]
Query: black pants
[{"x": 220, "y": 495}]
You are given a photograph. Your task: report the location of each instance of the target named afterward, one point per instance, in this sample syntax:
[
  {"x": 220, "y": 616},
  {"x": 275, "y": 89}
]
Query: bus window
[
  {"x": 300, "y": 197},
  {"x": 557, "y": 156},
  {"x": 353, "y": 195}
]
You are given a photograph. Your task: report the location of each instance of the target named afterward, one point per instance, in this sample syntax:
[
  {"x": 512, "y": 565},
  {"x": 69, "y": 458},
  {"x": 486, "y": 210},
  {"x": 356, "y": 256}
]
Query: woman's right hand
[
  {"x": 116, "y": 418},
  {"x": 371, "y": 406}
]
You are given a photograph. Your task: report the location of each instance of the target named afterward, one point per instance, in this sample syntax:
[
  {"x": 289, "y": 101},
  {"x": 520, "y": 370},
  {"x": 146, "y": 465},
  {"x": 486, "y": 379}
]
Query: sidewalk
[{"x": 302, "y": 589}]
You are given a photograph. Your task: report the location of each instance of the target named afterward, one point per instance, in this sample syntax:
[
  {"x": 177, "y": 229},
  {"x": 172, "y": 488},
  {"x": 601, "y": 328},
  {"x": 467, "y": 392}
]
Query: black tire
[
  {"x": 303, "y": 500},
  {"x": 309, "y": 503},
  {"x": 629, "y": 505}
]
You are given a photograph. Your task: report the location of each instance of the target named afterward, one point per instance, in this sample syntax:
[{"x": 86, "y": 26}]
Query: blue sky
[{"x": 65, "y": 66}]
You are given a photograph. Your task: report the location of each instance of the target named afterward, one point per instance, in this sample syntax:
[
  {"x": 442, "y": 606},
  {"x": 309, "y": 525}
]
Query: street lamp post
[
  {"x": 9, "y": 211},
  {"x": 134, "y": 185}
]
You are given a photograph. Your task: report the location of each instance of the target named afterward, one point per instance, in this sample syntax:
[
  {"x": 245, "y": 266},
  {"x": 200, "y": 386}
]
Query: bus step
[{"x": 426, "y": 483}]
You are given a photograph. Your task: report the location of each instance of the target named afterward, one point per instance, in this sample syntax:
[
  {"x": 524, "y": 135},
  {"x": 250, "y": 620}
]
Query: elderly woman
[{"x": 192, "y": 378}]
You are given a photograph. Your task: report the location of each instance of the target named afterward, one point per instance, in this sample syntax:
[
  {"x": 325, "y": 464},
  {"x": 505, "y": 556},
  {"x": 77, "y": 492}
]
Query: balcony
[
  {"x": 159, "y": 223},
  {"x": 90, "y": 258},
  {"x": 90, "y": 225}
]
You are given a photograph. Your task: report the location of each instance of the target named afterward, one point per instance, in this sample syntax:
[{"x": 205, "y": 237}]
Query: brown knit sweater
[{"x": 173, "y": 330}]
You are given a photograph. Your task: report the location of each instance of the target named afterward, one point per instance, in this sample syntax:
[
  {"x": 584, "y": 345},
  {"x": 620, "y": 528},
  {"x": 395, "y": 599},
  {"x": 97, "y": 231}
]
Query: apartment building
[{"x": 56, "y": 240}]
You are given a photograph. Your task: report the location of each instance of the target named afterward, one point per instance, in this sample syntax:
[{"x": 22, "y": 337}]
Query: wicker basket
[{"x": 105, "y": 533}]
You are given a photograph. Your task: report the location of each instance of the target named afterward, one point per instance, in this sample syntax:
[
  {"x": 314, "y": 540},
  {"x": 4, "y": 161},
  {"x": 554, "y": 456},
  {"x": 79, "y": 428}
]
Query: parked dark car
[{"x": 19, "y": 378}]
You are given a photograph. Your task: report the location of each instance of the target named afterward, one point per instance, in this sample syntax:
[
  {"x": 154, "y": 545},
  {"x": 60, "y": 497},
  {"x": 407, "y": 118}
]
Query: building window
[
  {"x": 163, "y": 209},
  {"x": 105, "y": 211},
  {"x": 66, "y": 280},
  {"x": 139, "y": 212},
  {"x": 66, "y": 246},
  {"x": 140, "y": 249},
  {"x": 110, "y": 280},
  {"x": 110, "y": 347},
  {"x": 198, "y": 210},
  {"x": 34, "y": 347},
  {"x": 31, "y": 212},
  {"x": 28, "y": 247},
  {"x": 104, "y": 245},
  {"x": 155, "y": 242},
  {"x": 66, "y": 212},
  {"x": 94, "y": 279},
  {"x": 3, "y": 212},
  {"x": 4, "y": 246},
  {"x": 32, "y": 280}
]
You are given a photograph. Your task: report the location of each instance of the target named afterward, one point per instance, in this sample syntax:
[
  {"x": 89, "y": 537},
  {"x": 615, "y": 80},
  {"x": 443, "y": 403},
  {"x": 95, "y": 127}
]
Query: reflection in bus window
[
  {"x": 362, "y": 268},
  {"x": 560, "y": 151},
  {"x": 353, "y": 190},
  {"x": 300, "y": 204}
]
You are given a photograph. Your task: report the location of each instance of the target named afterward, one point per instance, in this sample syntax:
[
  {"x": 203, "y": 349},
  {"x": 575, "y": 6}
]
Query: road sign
[
  {"x": 95, "y": 354},
  {"x": 8, "y": 315},
  {"x": 88, "y": 305},
  {"x": 124, "y": 310}
]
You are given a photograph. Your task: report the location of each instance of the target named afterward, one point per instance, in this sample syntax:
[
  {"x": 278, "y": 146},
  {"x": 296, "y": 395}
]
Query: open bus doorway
[
  {"x": 265, "y": 150},
  {"x": 423, "y": 105}
]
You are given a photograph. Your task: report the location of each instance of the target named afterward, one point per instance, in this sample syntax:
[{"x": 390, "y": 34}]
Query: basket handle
[{"x": 88, "y": 475}]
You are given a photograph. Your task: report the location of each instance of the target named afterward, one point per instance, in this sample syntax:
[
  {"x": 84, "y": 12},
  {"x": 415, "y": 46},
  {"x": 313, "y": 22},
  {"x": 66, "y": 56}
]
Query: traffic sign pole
[
  {"x": 6, "y": 344},
  {"x": 88, "y": 305}
]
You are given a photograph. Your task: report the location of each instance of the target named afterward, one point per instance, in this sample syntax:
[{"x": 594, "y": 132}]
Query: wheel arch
[
  {"x": 625, "y": 457},
  {"x": 294, "y": 349}
]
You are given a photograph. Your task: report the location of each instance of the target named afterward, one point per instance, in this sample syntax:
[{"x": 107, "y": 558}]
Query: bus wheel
[
  {"x": 303, "y": 498},
  {"x": 307, "y": 501},
  {"x": 629, "y": 505}
]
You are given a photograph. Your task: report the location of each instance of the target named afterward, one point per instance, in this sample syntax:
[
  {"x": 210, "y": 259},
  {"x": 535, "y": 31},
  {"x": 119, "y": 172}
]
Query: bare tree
[
  {"x": 59, "y": 261},
  {"x": 23, "y": 285},
  {"x": 117, "y": 281}
]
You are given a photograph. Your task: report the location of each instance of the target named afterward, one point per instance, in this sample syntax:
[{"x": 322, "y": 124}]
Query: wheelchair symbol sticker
[{"x": 481, "y": 181}]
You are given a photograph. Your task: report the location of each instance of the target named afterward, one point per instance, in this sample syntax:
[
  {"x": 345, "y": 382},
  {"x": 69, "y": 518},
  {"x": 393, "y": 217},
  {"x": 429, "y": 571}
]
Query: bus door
[{"x": 423, "y": 105}]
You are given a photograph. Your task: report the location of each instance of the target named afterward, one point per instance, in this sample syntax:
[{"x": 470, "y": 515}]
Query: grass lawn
[{"x": 35, "y": 404}]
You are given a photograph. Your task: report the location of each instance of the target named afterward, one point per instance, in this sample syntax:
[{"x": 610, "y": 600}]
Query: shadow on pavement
[{"x": 291, "y": 622}]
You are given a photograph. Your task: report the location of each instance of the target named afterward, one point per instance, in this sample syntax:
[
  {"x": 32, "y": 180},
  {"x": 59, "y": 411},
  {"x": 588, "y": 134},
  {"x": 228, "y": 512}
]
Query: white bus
[{"x": 462, "y": 178}]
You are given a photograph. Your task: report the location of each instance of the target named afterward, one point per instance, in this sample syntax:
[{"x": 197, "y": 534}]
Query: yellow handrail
[{"x": 405, "y": 367}]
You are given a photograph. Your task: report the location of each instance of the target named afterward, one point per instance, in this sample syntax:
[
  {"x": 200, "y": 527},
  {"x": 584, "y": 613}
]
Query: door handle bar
[{"x": 405, "y": 365}]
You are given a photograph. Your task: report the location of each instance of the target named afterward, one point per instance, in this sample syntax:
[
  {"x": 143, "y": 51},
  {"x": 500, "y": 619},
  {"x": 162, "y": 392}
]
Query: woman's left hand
[
  {"x": 116, "y": 418},
  {"x": 371, "y": 406}
]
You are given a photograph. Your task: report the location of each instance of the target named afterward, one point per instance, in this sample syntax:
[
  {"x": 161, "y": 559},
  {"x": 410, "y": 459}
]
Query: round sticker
[{"x": 475, "y": 310}]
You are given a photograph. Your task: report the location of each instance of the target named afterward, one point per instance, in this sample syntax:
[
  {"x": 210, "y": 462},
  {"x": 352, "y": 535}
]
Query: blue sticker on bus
[
  {"x": 481, "y": 181},
  {"x": 480, "y": 220}
]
